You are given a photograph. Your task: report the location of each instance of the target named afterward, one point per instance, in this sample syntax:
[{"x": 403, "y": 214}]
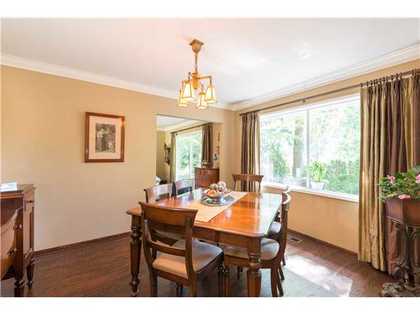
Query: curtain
[
  {"x": 250, "y": 147},
  {"x": 388, "y": 145},
  {"x": 207, "y": 146},
  {"x": 173, "y": 157}
]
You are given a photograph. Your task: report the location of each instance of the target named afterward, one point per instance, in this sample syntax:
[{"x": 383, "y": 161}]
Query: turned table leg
[
  {"x": 135, "y": 252},
  {"x": 254, "y": 272}
]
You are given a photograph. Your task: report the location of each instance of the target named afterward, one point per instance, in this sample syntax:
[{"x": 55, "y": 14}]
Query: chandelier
[{"x": 193, "y": 89}]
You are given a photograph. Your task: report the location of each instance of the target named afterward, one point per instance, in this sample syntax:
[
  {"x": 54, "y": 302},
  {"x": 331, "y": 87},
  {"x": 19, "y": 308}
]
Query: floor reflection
[{"x": 319, "y": 274}]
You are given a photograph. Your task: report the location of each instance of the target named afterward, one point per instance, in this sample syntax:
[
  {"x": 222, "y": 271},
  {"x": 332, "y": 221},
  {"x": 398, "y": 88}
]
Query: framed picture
[{"x": 104, "y": 138}]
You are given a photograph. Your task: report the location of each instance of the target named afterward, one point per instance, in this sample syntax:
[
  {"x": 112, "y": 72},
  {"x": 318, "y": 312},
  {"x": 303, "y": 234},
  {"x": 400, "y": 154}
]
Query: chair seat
[
  {"x": 274, "y": 230},
  {"x": 269, "y": 250},
  {"x": 202, "y": 255}
]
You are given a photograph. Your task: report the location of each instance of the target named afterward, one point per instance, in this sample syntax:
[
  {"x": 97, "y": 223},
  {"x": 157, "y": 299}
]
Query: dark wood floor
[{"x": 101, "y": 268}]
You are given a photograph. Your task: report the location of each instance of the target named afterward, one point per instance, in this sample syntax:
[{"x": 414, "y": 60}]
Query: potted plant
[
  {"x": 402, "y": 186},
  {"x": 317, "y": 171}
]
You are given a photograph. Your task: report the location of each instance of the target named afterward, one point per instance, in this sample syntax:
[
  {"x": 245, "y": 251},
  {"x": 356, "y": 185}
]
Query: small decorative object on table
[
  {"x": 217, "y": 195},
  {"x": 401, "y": 194}
]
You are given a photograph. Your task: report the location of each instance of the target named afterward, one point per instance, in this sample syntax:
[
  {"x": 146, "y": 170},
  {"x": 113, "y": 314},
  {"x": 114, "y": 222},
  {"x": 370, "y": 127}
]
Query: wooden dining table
[{"x": 243, "y": 224}]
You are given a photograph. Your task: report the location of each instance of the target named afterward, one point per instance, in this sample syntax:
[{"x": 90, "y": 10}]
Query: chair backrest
[
  {"x": 158, "y": 192},
  {"x": 285, "y": 206},
  {"x": 247, "y": 182},
  {"x": 174, "y": 220},
  {"x": 184, "y": 185}
]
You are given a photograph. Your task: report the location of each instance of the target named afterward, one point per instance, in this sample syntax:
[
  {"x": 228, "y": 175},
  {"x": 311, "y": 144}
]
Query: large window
[
  {"x": 188, "y": 154},
  {"x": 316, "y": 147}
]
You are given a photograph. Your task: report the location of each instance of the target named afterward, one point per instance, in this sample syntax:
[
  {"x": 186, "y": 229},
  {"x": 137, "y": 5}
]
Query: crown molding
[
  {"x": 394, "y": 58},
  {"x": 67, "y": 72}
]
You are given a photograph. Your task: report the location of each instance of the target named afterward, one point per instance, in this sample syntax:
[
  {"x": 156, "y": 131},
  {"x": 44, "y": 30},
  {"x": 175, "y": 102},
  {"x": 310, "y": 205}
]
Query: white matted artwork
[{"x": 104, "y": 138}]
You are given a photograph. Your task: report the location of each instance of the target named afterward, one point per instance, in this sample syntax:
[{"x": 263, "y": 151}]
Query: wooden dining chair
[
  {"x": 158, "y": 192},
  {"x": 272, "y": 252},
  {"x": 270, "y": 259},
  {"x": 155, "y": 194},
  {"x": 278, "y": 228},
  {"x": 183, "y": 186},
  {"x": 188, "y": 260},
  {"x": 247, "y": 182}
]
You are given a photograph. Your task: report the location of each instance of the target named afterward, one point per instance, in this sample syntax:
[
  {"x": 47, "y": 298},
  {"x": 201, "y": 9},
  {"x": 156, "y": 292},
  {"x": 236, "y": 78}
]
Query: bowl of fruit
[{"x": 216, "y": 192}]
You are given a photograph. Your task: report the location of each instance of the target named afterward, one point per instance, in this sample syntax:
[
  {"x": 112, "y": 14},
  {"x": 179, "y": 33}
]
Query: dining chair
[
  {"x": 155, "y": 194},
  {"x": 272, "y": 252},
  {"x": 278, "y": 228},
  {"x": 187, "y": 261},
  {"x": 247, "y": 182},
  {"x": 183, "y": 186},
  {"x": 158, "y": 192},
  {"x": 270, "y": 259}
]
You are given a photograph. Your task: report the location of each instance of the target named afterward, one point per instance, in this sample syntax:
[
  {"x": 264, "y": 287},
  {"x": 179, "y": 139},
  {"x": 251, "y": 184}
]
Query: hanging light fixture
[
  {"x": 181, "y": 101},
  {"x": 193, "y": 89}
]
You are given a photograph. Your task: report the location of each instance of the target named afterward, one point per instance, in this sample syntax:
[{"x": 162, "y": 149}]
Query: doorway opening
[{"x": 183, "y": 147}]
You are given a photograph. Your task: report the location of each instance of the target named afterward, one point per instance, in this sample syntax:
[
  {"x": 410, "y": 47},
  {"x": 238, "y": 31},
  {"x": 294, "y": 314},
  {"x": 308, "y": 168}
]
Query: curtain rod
[
  {"x": 304, "y": 99},
  {"x": 189, "y": 128}
]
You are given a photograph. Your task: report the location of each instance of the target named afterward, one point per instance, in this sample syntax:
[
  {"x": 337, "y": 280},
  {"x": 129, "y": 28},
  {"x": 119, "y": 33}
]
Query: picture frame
[{"x": 104, "y": 137}]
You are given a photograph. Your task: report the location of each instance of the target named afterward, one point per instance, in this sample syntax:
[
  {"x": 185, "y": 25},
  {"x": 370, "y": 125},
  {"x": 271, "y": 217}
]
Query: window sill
[{"x": 327, "y": 194}]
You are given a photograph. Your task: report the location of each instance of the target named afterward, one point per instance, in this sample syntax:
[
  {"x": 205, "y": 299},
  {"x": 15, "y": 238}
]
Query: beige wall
[
  {"x": 43, "y": 143},
  {"x": 331, "y": 220}
]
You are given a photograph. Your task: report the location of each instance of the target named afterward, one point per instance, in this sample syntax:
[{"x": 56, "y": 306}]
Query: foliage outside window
[
  {"x": 315, "y": 147},
  {"x": 188, "y": 154}
]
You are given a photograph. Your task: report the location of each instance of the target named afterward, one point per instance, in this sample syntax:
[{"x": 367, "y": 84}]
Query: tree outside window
[{"x": 326, "y": 136}]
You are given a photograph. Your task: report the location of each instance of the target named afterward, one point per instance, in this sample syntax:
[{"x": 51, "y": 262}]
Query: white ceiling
[
  {"x": 248, "y": 58},
  {"x": 169, "y": 123}
]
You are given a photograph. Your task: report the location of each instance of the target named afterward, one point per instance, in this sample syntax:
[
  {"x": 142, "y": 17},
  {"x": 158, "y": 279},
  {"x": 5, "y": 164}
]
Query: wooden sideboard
[
  {"x": 17, "y": 236},
  {"x": 204, "y": 177},
  {"x": 402, "y": 239}
]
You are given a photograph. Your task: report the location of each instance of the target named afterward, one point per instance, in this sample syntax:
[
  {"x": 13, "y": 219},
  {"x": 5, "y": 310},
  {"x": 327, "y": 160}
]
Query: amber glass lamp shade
[{"x": 211, "y": 95}]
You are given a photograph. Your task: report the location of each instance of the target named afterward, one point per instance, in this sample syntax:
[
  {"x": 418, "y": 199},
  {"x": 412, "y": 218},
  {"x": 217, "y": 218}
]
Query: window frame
[{"x": 307, "y": 108}]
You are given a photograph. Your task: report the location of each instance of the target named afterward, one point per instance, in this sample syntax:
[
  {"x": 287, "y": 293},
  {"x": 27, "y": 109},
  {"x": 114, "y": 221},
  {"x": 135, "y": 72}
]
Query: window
[
  {"x": 316, "y": 147},
  {"x": 188, "y": 154}
]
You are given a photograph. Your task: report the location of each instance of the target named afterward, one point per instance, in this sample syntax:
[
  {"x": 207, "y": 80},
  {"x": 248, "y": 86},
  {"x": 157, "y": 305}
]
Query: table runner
[{"x": 206, "y": 213}]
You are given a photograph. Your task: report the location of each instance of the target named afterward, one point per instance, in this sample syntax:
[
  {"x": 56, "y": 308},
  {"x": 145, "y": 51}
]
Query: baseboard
[
  {"x": 321, "y": 241},
  {"x": 77, "y": 244}
]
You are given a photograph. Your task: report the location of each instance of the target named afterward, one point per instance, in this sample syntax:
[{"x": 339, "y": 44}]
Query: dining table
[{"x": 243, "y": 223}]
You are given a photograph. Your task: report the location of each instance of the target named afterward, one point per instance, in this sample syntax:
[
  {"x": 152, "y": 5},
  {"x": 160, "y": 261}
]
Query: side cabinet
[
  {"x": 17, "y": 236},
  {"x": 204, "y": 177},
  {"x": 402, "y": 239}
]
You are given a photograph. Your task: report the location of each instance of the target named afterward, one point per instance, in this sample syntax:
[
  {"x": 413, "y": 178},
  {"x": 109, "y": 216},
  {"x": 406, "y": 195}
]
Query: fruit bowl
[{"x": 216, "y": 192}]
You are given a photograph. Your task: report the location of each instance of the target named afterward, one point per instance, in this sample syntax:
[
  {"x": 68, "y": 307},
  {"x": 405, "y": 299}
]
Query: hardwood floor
[{"x": 101, "y": 268}]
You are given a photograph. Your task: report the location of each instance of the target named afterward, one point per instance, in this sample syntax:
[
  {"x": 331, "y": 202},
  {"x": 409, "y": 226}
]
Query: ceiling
[
  {"x": 169, "y": 123},
  {"x": 248, "y": 58}
]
